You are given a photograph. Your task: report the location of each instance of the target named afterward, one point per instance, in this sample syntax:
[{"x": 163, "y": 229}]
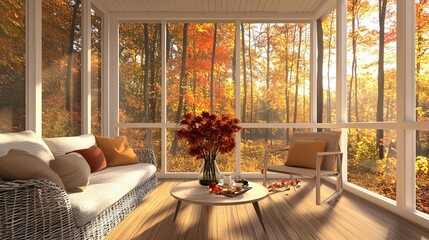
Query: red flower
[{"x": 208, "y": 134}]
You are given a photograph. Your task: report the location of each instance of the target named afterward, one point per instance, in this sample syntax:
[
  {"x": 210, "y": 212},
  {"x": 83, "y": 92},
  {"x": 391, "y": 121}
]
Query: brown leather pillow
[
  {"x": 73, "y": 170},
  {"x": 21, "y": 165},
  {"x": 95, "y": 158},
  {"x": 304, "y": 153},
  {"x": 117, "y": 151}
]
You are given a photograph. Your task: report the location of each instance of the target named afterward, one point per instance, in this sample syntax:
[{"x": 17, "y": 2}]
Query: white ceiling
[{"x": 307, "y": 9}]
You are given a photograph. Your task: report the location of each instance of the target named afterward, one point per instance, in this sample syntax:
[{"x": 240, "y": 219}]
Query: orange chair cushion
[
  {"x": 117, "y": 151},
  {"x": 304, "y": 153}
]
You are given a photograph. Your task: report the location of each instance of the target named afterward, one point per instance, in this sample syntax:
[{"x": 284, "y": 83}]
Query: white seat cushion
[{"x": 105, "y": 188}]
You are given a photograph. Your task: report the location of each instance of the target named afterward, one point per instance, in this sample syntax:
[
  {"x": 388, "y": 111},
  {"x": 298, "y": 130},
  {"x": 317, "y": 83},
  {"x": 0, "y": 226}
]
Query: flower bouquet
[{"x": 208, "y": 135}]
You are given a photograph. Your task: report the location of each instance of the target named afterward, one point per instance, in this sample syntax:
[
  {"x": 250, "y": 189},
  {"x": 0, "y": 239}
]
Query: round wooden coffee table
[{"x": 193, "y": 192}]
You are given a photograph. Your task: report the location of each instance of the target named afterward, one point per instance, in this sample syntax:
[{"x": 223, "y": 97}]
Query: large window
[
  {"x": 365, "y": 168},
  {"x": 371, "y": 62},
  {"x": 275, "y": 85},
  {"x": 140, "y": 83},
  {"x": 422, "y": 100},
  {"x": 12, "y": 65},
  {"x": 329, "y": 78},
  {"x": 371, "y": 94},
  {"x": 275, "y": 73},
  {"x": 61, "y": 66},
  {"x": 200, "y": 77}
]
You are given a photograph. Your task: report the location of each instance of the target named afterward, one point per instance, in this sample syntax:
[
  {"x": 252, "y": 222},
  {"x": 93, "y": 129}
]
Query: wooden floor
[{"x": 286, "y": 215}]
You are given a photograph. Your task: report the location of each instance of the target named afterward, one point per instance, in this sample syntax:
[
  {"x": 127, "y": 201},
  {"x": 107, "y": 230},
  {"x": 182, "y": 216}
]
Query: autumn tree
[
  {"x": 181, "y": 85},
  {"x": 380, "y": 91},
  {"x": 12, "y": 65}
]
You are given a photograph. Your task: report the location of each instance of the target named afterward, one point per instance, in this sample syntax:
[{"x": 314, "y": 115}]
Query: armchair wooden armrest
[{"x": 267, "y": 152}]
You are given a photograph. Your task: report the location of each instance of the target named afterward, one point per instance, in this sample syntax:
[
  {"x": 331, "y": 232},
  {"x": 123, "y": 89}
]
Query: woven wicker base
[{"x": 39, "y": 209}]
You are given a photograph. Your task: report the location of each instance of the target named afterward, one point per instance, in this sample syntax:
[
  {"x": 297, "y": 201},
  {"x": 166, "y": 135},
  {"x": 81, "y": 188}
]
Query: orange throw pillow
[
  {"x": 304, "y": 153},
  {"x": 117, "y": 151},
  {"x": 95, "y": 158}
]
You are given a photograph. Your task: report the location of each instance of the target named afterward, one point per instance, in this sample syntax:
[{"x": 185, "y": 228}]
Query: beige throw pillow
[
  {"x": 73, "y": 170},
  {"x": 304, "y": 153},
  {"x": 21, "y": 165}
]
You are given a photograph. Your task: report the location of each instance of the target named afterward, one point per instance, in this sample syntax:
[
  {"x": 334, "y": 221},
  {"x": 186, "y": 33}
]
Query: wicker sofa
[{"x": 38, "y": 208}]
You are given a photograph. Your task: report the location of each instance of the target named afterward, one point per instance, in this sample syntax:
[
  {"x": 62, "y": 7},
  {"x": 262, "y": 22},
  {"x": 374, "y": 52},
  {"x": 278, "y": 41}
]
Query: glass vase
[{"x": 209, "y": 172}]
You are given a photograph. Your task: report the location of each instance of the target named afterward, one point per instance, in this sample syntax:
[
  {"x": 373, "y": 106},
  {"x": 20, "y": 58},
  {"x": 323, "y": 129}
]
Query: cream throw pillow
[
  {"x": 304, "y": 153},
  {"x": 21, "y": 165},
  {"x": 73, "y": 170},
  {"x": 26, "y": 141}
]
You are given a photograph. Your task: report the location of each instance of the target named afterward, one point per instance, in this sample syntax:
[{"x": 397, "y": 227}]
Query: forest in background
[{"x": 274, "y": 82}]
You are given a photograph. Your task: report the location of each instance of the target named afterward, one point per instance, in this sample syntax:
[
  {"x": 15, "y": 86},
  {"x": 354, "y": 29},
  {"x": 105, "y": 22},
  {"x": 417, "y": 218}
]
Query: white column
[
  {"x": 86, "y": 67},
  {"x": 406, "y": 105},
  {"x": 341, "y": 88},
  {"x": 33, "y": 65}
]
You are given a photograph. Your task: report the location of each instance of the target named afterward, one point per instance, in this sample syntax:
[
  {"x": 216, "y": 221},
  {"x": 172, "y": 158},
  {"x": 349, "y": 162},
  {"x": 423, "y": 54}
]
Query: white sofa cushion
[
  {"x": 27, "y": 141},
  {"x": 105, "y": 188},
  {"x": 62, "y": 145}
]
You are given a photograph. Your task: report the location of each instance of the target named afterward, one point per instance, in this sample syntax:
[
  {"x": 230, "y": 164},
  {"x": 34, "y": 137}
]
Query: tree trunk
[
  {"x": 328, "y": 93},
  {"x": 69, "y": 78},
  {"x": 243, "y": 52},
  {"x": 287, "y": 78},
  {"x": 319, "y": 72},
  {"x": 154, "y": 73},
  {"x": 354, "y": 60},
  {"x": 147, "y": 60},
  {"x": 295, "y": 111},
  {"x": 212, "y": 107},
  {"x": 420, "y": 52},
  {"x": 181, "y": 86},
  {"x": 288, "y": 132},
  {"x": 267, "y": 82},
  {"x": 146, "y": 73},
  {"x": 251, "y": 83},
  {"x": 167, "y": 43},
  {"x": 380, "y": 96}
]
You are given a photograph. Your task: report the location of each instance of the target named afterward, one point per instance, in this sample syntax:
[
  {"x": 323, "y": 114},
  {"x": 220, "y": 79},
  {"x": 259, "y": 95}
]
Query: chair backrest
[{"x": 332, "y": 144}]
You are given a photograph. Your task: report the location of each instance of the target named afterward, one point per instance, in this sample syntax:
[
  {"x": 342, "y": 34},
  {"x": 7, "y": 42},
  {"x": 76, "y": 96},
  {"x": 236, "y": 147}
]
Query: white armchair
[{"x": 311, "y": 154}]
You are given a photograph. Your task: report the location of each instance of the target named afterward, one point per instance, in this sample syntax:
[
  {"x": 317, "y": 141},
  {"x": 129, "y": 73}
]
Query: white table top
[{"x": 193, "y": 192}]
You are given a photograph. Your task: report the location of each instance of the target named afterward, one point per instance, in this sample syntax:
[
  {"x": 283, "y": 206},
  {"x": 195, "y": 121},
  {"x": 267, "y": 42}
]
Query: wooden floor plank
[{"x": 286, "y": 215}]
